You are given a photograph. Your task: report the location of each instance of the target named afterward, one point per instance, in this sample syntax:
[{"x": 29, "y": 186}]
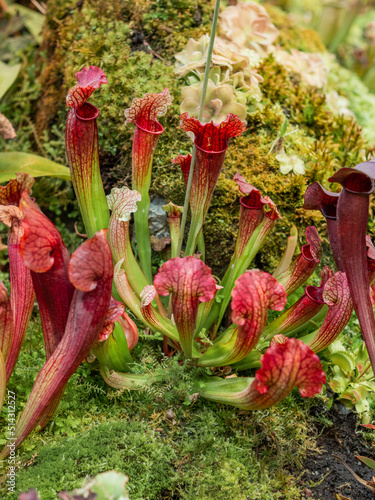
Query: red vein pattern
[
  {"x": 254, "y": 293},
  {"x": 190, "y": 282},
  {"x": 86, "y": 318},
  {"x": 88, "y": 79}
]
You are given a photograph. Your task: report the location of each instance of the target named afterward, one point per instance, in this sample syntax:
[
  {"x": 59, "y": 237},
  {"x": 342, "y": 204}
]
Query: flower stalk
[{"x": 200, "y": 115}]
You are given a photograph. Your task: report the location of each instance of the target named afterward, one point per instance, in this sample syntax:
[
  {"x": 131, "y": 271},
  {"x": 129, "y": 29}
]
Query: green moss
[
  {"x": 292, "y": 36},
  {"x": 127, "y": 446},
  {"x": 157, "y": 465},
  {"x": 211, "y": 451}
]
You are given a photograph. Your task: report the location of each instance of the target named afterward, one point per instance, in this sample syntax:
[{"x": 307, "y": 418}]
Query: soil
[{"x": 330, "y": 476}]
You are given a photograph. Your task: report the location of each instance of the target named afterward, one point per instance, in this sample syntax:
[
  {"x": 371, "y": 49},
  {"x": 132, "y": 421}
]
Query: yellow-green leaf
[
  {"x": 344, "y": 360},
  {"x": 8, "y": 75},
  {"x": 37, "y": 166},
  {"x": 33, "y": 20}
]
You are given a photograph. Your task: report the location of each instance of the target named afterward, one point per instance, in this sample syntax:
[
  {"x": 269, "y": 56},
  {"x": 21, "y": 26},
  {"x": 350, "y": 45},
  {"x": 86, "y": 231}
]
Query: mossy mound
[
  {"x": 206, "y": 451},
  {"x": 134, "y": 44}
]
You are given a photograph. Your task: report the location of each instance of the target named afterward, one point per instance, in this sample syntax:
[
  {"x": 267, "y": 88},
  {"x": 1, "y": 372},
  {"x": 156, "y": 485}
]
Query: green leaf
[
  {"x": 113, "y": 352},
  {"x": 345, "y": 360},
  {"x": 338, "y": 384},
  {"x": 37, "y": 166},
  {"x": 32, "y": 20},
  {"x": 369, "y": 385},
  {"x": 368, "y": 461},
  {"x": 284, "y": 127},
  {"x": 362, "y": 357},
  {"x": 8, "y": 75},
  {"x": 330, "y": 403},
  {"x": 336, "y": 346},
  {"x": 362, "y": 406}
]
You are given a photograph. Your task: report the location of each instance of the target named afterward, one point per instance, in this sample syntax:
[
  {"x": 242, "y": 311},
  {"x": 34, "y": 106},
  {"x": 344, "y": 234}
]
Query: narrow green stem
[
  {"x": 186, "y": 203},
  {"x": 201, "y": 245},
  {"x": 272, "y": 329},
  {"x": 143, "y": 234},
  {"x": 200, "y": 114},
  {"x": 194, "y": 231}
]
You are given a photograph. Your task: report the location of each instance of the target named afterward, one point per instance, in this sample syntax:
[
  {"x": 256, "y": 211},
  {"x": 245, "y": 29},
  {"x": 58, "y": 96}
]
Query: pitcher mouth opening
[
  {"x": 208, "y": 151},
  {"x": 159, "y": 129},
  {"x": 358, "y": 183},
  {"x": 329, "y": 211},
  {"x": 306, "y": 252},
  {"x": 315, "y": 294},
  {"x": 87, "y": 112},
  {"x": 250, "y": 203}
]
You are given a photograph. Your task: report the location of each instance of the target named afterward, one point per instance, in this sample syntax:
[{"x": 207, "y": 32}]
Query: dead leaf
[
  {"x": 279, "y": 146},
  {"x": 158, "y": 244},
  {"x": 6, "y": 128},
  {"x": 194, "y": 397},
  {"x": 171, "y": 416}
]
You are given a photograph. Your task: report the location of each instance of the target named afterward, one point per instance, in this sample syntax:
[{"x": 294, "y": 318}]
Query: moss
[
  {"x": 157, "y": 465},
  {"x": 126, "y": 446},
  {"x": 211, "y": 451},
  {"x": 292, "y": 36}
]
